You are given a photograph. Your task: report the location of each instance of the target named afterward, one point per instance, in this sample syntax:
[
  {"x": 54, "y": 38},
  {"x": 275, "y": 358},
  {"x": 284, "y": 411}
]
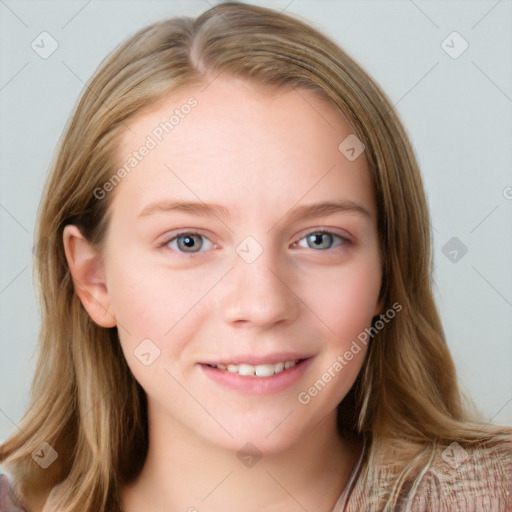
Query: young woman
[{"x": 235, "y": 271}]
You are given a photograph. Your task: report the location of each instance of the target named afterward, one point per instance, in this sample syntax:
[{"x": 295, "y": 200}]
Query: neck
[{"x": 184, "y": 472}]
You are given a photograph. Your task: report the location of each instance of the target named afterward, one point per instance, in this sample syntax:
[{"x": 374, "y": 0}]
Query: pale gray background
[{"x": 457, "y": 111}]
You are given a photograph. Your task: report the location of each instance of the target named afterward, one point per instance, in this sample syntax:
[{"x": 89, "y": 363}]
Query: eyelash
[{"x": 342, "y": 241}]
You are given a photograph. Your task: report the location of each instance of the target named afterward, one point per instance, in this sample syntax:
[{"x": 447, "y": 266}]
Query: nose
[{"x": 258, "y": 294}]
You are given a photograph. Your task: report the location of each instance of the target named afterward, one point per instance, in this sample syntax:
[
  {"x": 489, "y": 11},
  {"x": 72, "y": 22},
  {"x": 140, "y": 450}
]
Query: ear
[
  {"x": 378, "y": 308},
  {"x": 86, "y": 268},
  {"x": 380, "y": 300}
]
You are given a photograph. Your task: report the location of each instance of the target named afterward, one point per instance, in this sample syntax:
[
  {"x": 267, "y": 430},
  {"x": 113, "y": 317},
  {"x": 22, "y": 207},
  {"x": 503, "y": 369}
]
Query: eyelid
[{"x": 173, "y": 233}]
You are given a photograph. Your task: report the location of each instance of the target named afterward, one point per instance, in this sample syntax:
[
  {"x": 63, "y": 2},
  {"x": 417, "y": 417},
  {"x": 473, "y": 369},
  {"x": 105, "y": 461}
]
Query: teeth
[
  {"x": 279, "y": 367},
  {"x": 265, "y": 370},
  {"x": 246, "y": 369},
  {"x": 260, "y": 370}
]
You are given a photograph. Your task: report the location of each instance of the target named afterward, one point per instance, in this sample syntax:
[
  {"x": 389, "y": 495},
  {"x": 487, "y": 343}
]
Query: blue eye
[
  {"x": 189, "y": 243},
  {"x": 193, "y": 243},
  {"x": 321, "y": 240}
]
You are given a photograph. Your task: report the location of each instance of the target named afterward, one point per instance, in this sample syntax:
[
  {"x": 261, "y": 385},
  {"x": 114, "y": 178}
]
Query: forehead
[{"x": 241, "y": 144}]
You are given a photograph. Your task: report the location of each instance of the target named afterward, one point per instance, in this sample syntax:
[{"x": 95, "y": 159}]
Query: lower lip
[{"x": 257, "y": 385}]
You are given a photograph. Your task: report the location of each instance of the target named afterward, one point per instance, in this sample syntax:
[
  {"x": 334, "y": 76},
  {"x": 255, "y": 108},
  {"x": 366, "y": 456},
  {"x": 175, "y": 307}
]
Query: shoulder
[
  {"x": 477, "y": 478},
  {"x": 8, "y": 500}
]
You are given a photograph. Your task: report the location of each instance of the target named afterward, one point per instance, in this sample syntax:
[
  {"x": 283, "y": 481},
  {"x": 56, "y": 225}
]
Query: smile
[
  {"x": 257, "y": 375},
  {"x": 260, "y": 370}
]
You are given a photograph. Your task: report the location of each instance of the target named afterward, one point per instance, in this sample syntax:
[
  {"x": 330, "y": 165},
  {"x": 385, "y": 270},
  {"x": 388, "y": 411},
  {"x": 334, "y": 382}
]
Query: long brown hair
[{"x": 85, "y": 402}]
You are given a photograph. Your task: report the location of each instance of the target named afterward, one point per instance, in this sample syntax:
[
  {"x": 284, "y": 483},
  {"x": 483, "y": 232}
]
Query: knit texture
[{"x": 454, "y": 480}]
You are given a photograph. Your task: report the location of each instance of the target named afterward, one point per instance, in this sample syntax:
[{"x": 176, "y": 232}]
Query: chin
[{"x": 270, "y": 437}]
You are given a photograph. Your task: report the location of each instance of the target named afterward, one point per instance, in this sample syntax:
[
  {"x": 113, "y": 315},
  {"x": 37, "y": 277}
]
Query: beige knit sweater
[{"x": 454, "y": 480}]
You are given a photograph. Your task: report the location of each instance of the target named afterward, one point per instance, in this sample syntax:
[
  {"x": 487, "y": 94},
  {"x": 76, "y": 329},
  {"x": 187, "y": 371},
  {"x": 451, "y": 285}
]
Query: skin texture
[{"x": 259, "y": 153}]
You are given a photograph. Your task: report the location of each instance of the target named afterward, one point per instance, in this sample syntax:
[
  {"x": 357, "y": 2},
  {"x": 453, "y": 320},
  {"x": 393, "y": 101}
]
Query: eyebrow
[
  {"x": 216, "y": 210},
  {"x": 327, "y": 208},
  {"x": 196, "y": 208}
]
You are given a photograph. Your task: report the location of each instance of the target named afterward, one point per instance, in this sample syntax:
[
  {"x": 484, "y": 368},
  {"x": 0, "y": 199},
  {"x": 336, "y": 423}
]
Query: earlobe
[
  {"x": 86, "y": 268},
  {"x": 378, "y": 309},
  {"x": 380, "y": 301}
]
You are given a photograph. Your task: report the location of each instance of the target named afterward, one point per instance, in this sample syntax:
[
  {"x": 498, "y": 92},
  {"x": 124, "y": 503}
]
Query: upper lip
[{"x": 255, "y": 360}]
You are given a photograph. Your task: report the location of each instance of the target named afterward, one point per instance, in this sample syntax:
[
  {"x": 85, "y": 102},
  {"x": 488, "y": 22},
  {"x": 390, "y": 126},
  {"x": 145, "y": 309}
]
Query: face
[{"x": 242, "y": 262}]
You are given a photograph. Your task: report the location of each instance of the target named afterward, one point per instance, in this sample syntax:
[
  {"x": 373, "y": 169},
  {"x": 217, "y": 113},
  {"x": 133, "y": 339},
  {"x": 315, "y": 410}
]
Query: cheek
[
  {"x": 355, "y": 303},
  {"x": 345, "y": 301},
  {"x": 157, "y": 304},
  {"x": 151, "y": 308},
  {"x": 149, "y": 299},
  {"x": 346, "y": 298},
  {"x": 138, "y": 299}
]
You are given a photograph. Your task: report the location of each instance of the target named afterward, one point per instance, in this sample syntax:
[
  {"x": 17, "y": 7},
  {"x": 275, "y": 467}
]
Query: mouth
[
  {"x": 259, "y": 370},
  {"x": 257, "y": 375}
]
